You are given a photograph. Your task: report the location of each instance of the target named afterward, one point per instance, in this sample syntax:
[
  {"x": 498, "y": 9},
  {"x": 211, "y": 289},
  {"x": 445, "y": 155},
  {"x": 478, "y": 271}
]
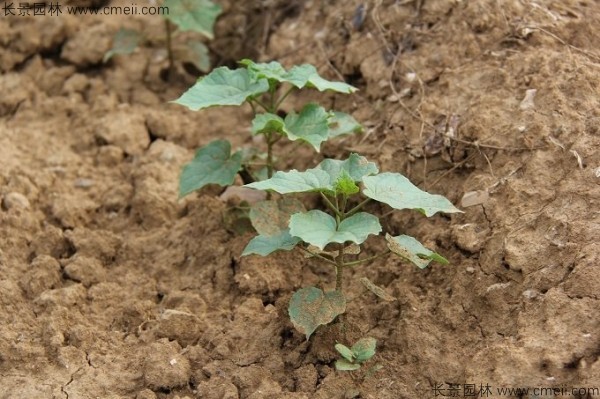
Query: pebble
[
  {"x": 470, "y": 270},
  {"x": 83, "y": 183},
  {"x": 15, "y": 200}
]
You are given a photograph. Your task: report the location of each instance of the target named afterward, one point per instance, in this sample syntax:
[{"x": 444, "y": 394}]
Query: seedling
[
  {"x": 188, "y": 15},
  {"x": 264, "y": 87},
  {"x": 285, "y": 224},
  {"x": 354, "y": 357}
]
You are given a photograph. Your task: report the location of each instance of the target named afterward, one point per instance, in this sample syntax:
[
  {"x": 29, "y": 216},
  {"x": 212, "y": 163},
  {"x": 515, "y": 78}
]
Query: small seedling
[
  {"x": 284, "y": 225},
  {"x": 354, "y": 357},
  {"x": 188, "y": 15},
  {"x": 264, "y": 87}
]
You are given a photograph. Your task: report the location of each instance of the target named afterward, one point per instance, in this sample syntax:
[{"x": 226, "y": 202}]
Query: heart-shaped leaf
[
  {"x": 399, "y": 193},
  {"x": 310, "y": 125},
  {"x": 222, "y": 86},
  {"x": 213, "y": 164},
  {"x": 310, "y": 308},
  {"x": 271, "y": 70},
  {"x": 412, "y": 250},
  {"x": 306, "y": 75},
  {"x": 267, "y": 122},
  {"x": 295, "y": 182},
  {"x": 194, "y": 15},
  {"x": 356, "y": 166},
  {"x": 271, "y": 219},
  {"x": 364, "y": 349},
  {"x": 319, "y": 229}
]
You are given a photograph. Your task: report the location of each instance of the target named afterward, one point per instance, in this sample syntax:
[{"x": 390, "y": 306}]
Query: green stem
[
  {"x": 357, "y": 208},
  {"x": 169, "y": 47},
  {"x": 370, "y": 258},
  {"x": 270, "y": 142},
  {"x": 287, "y": 93},
  {"x": 331, "y": 206},
  {"x": 262, "y": 105},
  {"x": 339, "y": 268},
  {"x": 318, "y": 256}
]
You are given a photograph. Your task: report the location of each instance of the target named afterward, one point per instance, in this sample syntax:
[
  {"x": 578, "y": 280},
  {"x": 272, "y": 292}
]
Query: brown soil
[{"x": 112, "y": 288}]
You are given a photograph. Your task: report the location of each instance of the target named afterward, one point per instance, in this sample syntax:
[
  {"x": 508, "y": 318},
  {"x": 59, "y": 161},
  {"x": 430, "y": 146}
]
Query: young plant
[
  {"x": 354, "y": 357},
  {"x": 188, "y": 15},
  {"x": 285, "y": 225},
  {"x": 264, "y": 87}
]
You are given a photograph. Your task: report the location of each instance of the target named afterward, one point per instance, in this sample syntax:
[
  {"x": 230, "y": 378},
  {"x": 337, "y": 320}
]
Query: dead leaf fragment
[{"x": 473, "y": 198}]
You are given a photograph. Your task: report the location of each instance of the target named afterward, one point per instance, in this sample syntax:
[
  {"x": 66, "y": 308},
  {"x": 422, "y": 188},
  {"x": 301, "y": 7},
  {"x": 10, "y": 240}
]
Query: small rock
[
  {"x": 83, "y": 183},
  {"x": 473, "y": 198},
  {"x": 16, "y": 201},
  {"x": 530, "y": 294},
  {"x": 527, "y": 102},
  {"x": 470, "y": 270}
]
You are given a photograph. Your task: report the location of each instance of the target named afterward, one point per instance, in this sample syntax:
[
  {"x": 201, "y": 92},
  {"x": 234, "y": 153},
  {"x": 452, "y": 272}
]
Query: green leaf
[
  {"x": 310, "y": 308},
  {"x": 319, "y": 229},
  {"x": 356, "y": 166},
  {"x": 320, "y": 179},
  {"x": 310, "y": 125},
  {"x": 213, "y": 164},
  {"x": 125, "y": 41},
  {"x": 375, "y": 289},
  {"x": 344, "y": 365},
  {"x": 399, "y": 193},
  {"x": 307, "y": 76},
  {"x": 264, "y": 123},
  {"x": 295, "y": 182},
  {"x": 345, "y": 352},
  {"x": 364, "y": 349},
  {"x": 412, "y": 250},
  {"x": 194, "y": 15},
  {"x": 272, "y": 217},
  {"x": 341, "y": 123},
  {"x": 272, "y": 70},
  {"x": 265, "y": 245},
  {"x": 196, "y": 53},
  {"x": 222, "y": 86}
]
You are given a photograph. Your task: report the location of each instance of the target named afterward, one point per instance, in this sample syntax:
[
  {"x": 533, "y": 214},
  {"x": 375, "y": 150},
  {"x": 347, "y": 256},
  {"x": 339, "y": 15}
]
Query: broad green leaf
[
  {"x": 213, "y": 164},
  {"x": 310, "y": 125},
  {"x": 195, "y": 15},
  {"x": 320, "y": 179},
  {"x": 412, "y": 250},
  {"x": 364, "y": 349},
  {"x": 307, "y": 76},
  {"x": 399, "y": 193},
  {"x": 265, "y": 245},
  {"x": 196, "y": 53},
  {"x": 356, "y": 166},
  {"x": 222, "y": 86},
  {"x": 344, "y": 365},
  {"x": 295, "y": 182},
  {"x": 272, "y": 70},
  {"x": 345, "y": 185},
  {"x": 264, "y": 123},
  {"x": 125, "y": 41},
  {"x": 272, "y": 217},
  {"x": 310, "y": 308},
  {"x": 345, "y": 352},
  {"x": 319, "y": 229},
  {"x": 341, "y": 123},
  {"x": 375, "y": 289}
]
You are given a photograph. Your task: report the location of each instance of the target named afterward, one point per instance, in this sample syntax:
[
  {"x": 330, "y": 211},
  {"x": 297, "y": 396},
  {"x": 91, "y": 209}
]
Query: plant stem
[
  {"x": 339, "y": 268},
  {"x": 287, "y": 93},
  {"x": 331, "y": 206},
  {"x": 357, "y": 208},
  {"x": 270, "y": 142},
  {"x": 370, "y": 258},
  {"x": 262, "y": 105},
  {"x": 169, "y": 47},
  {"x": 318, "y": 256}
]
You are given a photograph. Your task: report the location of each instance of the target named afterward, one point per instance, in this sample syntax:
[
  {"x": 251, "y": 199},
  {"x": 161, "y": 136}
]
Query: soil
[{"x": 111, "y": 287}]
